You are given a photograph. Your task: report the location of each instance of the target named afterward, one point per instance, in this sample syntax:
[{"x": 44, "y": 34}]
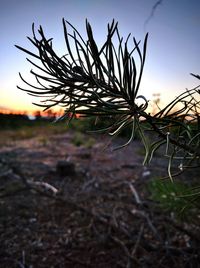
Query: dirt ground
[{"x": 63, "y": 205}]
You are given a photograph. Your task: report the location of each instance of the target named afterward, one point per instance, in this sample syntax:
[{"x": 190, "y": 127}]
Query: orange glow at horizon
[{"x": 32, "y": 112}]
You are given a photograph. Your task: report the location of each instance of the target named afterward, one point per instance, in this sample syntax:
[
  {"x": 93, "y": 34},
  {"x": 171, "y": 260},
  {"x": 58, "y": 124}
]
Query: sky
[{"x": 173, "y": 46}]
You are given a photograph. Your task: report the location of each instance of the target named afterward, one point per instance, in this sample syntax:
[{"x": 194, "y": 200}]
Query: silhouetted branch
[{"x": 105, "y": 81}]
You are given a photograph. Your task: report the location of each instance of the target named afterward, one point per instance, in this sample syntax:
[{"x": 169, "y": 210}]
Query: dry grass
[{"x": 8, "y": 137}]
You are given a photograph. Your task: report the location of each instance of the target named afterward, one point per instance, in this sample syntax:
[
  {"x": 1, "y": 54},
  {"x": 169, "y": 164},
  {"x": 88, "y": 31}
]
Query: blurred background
[{"x": 67, "y": 198}]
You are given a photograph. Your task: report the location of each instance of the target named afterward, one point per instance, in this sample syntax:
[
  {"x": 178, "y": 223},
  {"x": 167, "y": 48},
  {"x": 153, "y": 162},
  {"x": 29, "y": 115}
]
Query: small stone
[
  {"x": 146, "y": 173},
  {"x": 65, "y": 168},
  {"x": 32, "y": 220}
]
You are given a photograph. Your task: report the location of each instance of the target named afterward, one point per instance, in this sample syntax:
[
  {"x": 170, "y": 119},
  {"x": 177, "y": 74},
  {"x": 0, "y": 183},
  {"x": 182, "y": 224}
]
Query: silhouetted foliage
[{"x": 105, "y": 82}]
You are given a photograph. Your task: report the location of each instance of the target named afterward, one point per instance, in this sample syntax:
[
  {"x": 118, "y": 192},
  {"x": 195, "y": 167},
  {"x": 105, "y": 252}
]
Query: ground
[{"x": 64, "y": 204}]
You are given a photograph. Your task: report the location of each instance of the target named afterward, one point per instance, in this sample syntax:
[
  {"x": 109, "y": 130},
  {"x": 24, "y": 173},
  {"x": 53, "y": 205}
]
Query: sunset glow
[{"x": 172, "y": 53}]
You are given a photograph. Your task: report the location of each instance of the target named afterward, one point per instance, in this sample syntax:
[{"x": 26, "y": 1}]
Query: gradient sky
[{"x": 173, "y": 47}]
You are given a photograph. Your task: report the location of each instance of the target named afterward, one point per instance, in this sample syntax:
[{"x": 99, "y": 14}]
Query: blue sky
[{"x": 173, "y": 46}]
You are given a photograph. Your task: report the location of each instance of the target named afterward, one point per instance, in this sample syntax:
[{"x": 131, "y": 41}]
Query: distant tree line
[{"x": 14, "y": 121}]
